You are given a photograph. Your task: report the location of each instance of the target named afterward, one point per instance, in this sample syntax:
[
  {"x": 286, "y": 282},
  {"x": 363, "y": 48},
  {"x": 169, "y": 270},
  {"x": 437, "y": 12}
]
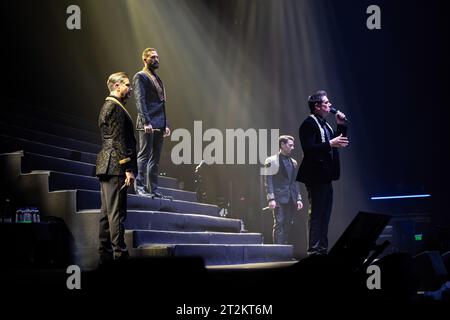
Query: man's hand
[
  {"x": 129, "y": 178},
  {"x": 148, "y": 128},
  {"x": 166, "y": 132},
  {"x": 299, "y": 205},
  {"x": 339, "y": 142},
  {"x": 272, "y": 204},
  {"x": 340, "y": 117}
]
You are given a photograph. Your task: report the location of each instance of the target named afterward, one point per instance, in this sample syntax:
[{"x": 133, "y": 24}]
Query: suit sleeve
[
  {"x": 268, "y": 182},
  {"x": 121, "y": 144},
  {"x": 307, "y": 134},
  {"x": 296, "y": 184},
  {"x": 139, "y": 95}
]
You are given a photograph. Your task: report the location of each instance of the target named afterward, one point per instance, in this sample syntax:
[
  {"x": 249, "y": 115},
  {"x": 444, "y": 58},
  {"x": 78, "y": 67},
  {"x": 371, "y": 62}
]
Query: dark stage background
[{"x": 252, "y": 64}]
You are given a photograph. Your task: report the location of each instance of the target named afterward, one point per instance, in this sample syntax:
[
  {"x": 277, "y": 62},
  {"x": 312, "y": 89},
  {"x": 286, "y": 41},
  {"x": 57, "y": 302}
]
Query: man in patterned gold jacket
[{"x": 116, "y": 167}]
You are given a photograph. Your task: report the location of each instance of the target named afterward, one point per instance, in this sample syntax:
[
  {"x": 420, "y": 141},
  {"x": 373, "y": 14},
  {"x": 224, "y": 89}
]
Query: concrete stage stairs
[{"x": 48, "y": 162}]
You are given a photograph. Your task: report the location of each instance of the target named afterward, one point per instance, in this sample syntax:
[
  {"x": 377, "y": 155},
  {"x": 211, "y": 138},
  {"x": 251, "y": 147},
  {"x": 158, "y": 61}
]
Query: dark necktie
[{"x": 326, "y": 129}]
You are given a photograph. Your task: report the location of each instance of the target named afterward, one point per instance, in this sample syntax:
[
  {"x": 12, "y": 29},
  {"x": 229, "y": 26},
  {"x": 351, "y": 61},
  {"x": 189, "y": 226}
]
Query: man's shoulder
[
  {"x": 308, "y": 123},
  {"x": 309, "y": 119},
  {"x": 293, "y": 161},
  {"x": 271, "y": 158},
  {"x": 108, "y": 104},
  {"x": 140, "y": 75},
  {"x": 112, "y": 107}
]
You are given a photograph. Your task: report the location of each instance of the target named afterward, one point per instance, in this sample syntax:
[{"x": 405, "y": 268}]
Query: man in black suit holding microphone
[{"x": 320, "y": 166}]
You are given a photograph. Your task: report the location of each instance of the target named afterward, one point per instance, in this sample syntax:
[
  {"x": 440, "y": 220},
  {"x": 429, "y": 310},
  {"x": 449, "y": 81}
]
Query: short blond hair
[
  {"x": 284, "y": 139},
  {"x": 114, "y": 78},
  {"x": 146, "y": 53}
]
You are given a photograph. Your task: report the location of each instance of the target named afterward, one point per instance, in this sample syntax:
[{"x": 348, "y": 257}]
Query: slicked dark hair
[{"x": 316, "y": 98}]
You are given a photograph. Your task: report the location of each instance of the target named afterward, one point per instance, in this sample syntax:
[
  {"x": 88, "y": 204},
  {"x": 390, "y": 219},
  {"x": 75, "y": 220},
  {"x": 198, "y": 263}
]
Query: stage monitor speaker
[
  {"x": 359, "y": 239},
  {"x": 429, "y": 270}
]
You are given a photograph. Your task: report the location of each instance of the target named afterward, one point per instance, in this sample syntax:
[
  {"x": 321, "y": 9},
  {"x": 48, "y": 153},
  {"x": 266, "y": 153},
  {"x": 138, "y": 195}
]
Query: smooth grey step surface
[
  {"x": 67, "y": 181},
  {"x": 145, "y": 237},
  {"x": 55, "y": 127},
  {"x": 229, "y": 254},
  {"x": 11, "y": 144},
  {"x": 172, "y": 221},
  {"x": 90, "y": 199},
  {"x": 38, "y": 113},
  {"x": 32, "y": 162},
  {"x": 47, "y": 138}
]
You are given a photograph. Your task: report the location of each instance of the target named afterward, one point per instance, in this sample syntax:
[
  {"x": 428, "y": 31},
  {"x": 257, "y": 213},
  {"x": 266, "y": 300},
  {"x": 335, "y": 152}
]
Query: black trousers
[
  {"x": 320, "y": 197},
  {"x": 283, "y": 219},
  {"x": 112, "y": 217},
  {"x": 150, "y": 146}
]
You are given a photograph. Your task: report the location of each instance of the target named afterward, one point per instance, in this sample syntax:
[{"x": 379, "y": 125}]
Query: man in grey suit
[
  {"x": 283, "y": 194},
  {"x": 151, "y": 123}
]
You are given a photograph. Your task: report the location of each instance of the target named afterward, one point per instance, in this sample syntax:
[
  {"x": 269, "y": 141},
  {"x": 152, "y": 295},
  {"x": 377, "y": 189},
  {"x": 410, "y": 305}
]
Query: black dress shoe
[
  {"x": 142, "y": 192},
  {"x": 156, "y": 195}
]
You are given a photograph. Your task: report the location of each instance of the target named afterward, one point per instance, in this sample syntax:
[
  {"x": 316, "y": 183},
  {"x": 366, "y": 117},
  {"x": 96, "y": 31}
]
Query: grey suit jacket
[{"x": 280, "y": 185}]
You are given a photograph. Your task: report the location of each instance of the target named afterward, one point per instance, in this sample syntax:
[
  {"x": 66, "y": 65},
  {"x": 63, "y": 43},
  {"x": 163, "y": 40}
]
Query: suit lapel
[
  {"x": 120, "y": 104},
  {"x": 159, "y": 87}
]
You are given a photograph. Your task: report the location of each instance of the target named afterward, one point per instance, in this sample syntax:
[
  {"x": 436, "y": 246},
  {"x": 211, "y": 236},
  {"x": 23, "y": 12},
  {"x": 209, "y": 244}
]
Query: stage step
[
  {"x": 12, "y": 144},
  {"x": 32, "y": 162},
  {"x": 66, "y": 181},
  {"x": 172, "y": 221},
  {"x": 89, "y": 134},
  {"x": 89, "y": 199},
  {"x": 37, "y": 118},
  {"x": 47, "y": 138},
  {"x": 224, "y": 254},
  {"x": 146, "y": 237}
]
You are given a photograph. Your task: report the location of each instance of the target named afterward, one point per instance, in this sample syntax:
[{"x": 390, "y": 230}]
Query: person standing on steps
[
  {"x": 115, "y": 167},
  {"x": 152, "y": 124}
]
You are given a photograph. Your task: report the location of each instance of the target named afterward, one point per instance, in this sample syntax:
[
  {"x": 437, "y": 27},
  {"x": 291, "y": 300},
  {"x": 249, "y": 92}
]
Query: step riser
[
  {"x": 89, "y": 134},
  {"x": 142, "y": 238},
  {"x": 179, "y": 222},
  {"x": 61, "y": 181},
  {"x": 49, "y": 139},
  {"x": 91, "y": 200},
  {"x": 10, "y": 144},
  {"x": 32, "y": 162},
  {"x": 218, "y": 255}
]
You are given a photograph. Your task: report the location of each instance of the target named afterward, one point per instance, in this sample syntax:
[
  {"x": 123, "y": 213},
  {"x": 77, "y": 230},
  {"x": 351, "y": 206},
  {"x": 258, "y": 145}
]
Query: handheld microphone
[{"x": 334, "y": 111}]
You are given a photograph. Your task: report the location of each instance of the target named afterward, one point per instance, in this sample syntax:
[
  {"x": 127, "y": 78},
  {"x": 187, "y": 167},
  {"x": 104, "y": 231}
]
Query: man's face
[
  {"x": 323, "y": 108},
  {"x": 287, "y": 147},
  {"x": 123, "y": 89},
  {"x": 152, "y": 60}
]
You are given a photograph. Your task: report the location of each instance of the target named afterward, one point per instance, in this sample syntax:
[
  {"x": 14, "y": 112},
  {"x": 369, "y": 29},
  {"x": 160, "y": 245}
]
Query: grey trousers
[
  {"x": 283, "y": 219},
  {"x": 112, "y": 217},
  {"x": 150, "y": 146}
]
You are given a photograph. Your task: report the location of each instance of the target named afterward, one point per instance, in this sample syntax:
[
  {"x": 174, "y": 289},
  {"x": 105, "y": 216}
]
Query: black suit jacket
[
  {"x": 280, "y": 185},
  {"x": 118, "y": 153},
  {"x": 320, "y": 162},
  {"x": 149, "y": 102}
]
